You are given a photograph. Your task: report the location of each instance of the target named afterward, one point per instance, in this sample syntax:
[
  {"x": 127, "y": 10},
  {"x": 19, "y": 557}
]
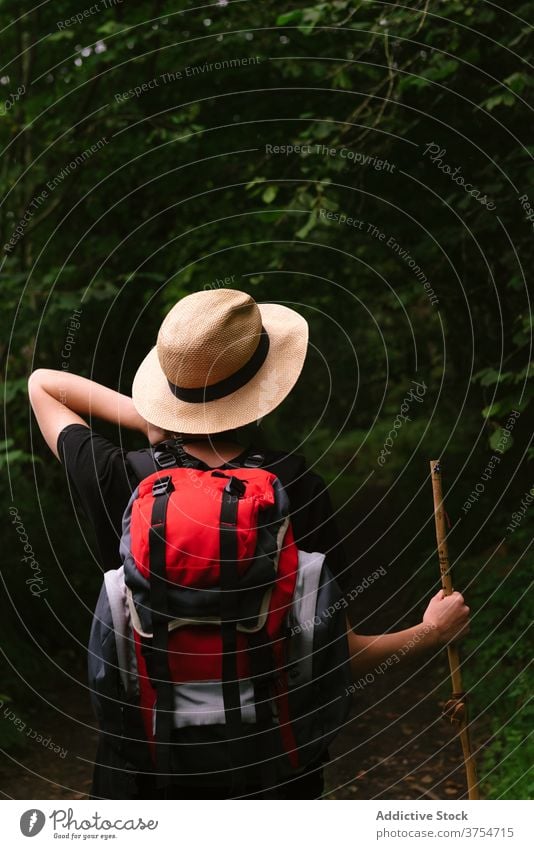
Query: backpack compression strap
[
  {"x": 233, "y": 491},
  {"x": 160, "y": 672},
  {"x": 262, "y": 668}
]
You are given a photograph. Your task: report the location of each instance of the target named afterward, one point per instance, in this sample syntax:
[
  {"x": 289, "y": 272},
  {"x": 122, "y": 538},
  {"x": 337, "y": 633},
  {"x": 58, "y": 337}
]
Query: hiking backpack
[{"x": 218, "y": 650}]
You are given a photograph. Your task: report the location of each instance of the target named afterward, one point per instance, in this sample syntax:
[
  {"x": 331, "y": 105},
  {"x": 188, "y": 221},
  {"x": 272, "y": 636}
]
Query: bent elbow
[{"x": 34, "y": 381}]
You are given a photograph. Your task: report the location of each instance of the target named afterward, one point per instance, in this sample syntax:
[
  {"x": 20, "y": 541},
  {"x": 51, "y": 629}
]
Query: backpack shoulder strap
[
  {"x": 286, "y": 466},
  {"x": 142, "y": 463}
]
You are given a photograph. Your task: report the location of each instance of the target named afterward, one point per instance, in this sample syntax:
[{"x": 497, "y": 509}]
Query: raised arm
[{"x": 59, "y": 398}]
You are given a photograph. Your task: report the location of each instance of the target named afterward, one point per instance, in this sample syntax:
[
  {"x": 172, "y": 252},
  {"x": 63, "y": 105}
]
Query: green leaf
[
  {"x": 289, "y": 17},
  {"x": 110, "y": 27},
  {"x": 255, "y": 182},
  {"x": 505, "y": 99},
  {"x": 308, "y": 226},
  {"x": 497, "y": 440},
  {"x": 518, "y": 81},
  {"x": 441, "y": 70},
  {"x": 489, "y": 376},
  {"x": 61, "y": 35},
  {"x": 9, "y": 457},
  {"x": 101, "y": 290},
  {"x": 269, "y": 194},
  {"x": 311, "y": 17},
  {"x": 342, "y": 80},
  {"x": 270, "y": 214},
  {"x": 525, "y": 373},
  {"x": 13, "y": 388},
  {"x": 493, "y": 410}
]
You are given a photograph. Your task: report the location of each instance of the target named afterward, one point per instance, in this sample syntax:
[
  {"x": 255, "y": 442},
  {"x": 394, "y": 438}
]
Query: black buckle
[
  {"x": 164, "y": 459},
  {"x": 254, "y": 461},
  {"x": 162, "y": 486},
  {"x": 236, "y": 487}
]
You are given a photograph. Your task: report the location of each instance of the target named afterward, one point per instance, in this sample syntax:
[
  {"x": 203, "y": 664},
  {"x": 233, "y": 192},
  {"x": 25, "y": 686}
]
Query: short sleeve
[
  {"x": 315, "y": 525},
  {"x": 100, "y": 478}
]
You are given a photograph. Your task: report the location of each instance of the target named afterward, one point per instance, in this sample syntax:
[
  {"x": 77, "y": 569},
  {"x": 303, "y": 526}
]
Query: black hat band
[{"x": 232, "y": 383}]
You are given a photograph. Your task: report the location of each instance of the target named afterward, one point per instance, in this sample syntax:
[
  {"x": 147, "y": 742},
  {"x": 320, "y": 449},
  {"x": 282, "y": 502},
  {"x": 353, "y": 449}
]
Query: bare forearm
[
  {"x": 60, "y": 399},
  {"x": 87, "y": 398},
  {"x": 445, "y": 620},
  {"x": 368, "y": 653}
]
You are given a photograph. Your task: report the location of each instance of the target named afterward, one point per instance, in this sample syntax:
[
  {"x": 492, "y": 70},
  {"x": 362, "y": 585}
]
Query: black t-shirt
[{"x": 102, "y": 479}]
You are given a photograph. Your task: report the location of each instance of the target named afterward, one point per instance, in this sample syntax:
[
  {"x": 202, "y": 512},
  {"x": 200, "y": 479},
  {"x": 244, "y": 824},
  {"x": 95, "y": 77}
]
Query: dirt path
[
  {"x": 34, "y": 770},
  {"x": 395, "y": 746}
]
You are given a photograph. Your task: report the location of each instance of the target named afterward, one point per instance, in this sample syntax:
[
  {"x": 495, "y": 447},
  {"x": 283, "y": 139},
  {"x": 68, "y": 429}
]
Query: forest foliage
[{"x": 369, "y": 164}]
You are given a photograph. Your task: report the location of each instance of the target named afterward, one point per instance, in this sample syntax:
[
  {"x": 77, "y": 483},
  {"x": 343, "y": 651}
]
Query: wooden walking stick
[{"x": 456, "y": 708}]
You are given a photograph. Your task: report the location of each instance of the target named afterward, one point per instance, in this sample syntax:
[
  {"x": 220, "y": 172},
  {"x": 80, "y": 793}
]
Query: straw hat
[{"x": 221, "y": 361}]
